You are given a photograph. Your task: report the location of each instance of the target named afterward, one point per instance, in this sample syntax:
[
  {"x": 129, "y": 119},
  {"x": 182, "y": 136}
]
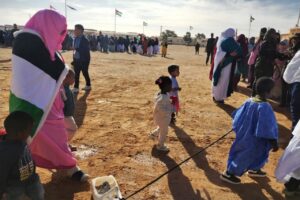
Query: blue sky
[{"x": 205, "y": 16}]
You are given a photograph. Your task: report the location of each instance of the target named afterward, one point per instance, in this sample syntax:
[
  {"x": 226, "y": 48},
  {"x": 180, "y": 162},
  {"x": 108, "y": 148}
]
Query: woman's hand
[{"x": 233, "y": 54}]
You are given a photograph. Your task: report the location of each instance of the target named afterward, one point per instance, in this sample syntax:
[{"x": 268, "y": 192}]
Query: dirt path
[{"x": 116, "y": 116}]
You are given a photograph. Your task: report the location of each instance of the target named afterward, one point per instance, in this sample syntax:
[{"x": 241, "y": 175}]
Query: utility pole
[
  {"x": 160, "y": 30},
  {"x": 66, "y": 9},
  {"x": 297, "y": 25}
]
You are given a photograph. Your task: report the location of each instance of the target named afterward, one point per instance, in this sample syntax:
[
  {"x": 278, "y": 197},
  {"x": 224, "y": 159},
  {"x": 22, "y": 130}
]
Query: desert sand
[{"x": 115, "y": 118}]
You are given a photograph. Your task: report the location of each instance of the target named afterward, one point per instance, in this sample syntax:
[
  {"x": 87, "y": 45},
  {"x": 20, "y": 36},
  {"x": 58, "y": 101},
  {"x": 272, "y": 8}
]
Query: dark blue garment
[
  {"x": 69, "y": 103},
  {"x": 255, "y": 125},
  {"x": 295, "y": 103},
  {"x": 82, "y": 49}
]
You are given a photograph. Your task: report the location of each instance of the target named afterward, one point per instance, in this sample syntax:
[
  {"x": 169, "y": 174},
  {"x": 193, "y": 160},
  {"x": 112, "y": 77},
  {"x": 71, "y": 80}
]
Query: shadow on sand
[
  {"x": 80, "y": 108},
  {"x": 244, "y": 191}
]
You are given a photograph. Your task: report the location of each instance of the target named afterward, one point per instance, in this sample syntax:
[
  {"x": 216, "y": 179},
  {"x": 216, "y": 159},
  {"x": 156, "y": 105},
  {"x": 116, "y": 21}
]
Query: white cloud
[{"x": 204, "y": 15}]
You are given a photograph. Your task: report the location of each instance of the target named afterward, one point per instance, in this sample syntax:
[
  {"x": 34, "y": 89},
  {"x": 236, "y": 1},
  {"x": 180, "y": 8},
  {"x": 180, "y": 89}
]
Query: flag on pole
[
  {"x": 118, "y": 13},
  {"x": 145, "y": 24},
  {"x": 52, "y": 8},
  {"x": 72, "y": 8},
  {"x": 191, "y": 28},
  {"x": 251, "y": 18}
]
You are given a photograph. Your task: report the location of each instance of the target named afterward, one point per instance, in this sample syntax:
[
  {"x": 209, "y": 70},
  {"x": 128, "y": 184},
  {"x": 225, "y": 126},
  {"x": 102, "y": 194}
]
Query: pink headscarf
[{"x": 51, "y": 26}]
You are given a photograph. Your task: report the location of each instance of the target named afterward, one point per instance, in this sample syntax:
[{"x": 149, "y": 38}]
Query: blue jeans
[
  {"x": 295, "y": 103},
  {"x": 34, "y": 191}
]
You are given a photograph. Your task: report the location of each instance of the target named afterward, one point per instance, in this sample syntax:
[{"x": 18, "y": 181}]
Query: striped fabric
[{"x": 35, "y": 78}]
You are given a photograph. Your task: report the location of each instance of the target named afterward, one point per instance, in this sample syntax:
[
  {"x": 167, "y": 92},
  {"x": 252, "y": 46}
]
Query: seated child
[
  {"x": 174, "y": 72},
  {"x": 17, "y": 169},
  {"x": 162, "y": 112},
  {"x": 69, "y": 106},
  {"x": 256, "y": 134},
  {"x": 288, "y": 169}
]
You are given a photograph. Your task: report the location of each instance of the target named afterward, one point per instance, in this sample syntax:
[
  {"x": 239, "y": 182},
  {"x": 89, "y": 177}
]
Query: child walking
[
  {"x": 256, "y": 134},
  {"x": 162, "y": 112},
  {"x": 164, "y": 48},
  {"x": 174, "y": 72},
  {"x": 69, "y": 105},
  {"x": 17, "y": 169},
  {"x": 288, "y": 168}
]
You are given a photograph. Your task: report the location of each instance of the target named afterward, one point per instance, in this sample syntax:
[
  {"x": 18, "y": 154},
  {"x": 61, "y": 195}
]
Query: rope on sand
[{"x": 176, "y": 166}]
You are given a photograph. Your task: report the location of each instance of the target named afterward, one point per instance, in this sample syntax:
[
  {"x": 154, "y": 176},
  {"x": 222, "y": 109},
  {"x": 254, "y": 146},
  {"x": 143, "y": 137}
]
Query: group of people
[
  {"x": 42, "y": 102},
  {"x": 7, "y": 36},
  {"x": 267, "y": 57},
  {"x": 139, "y": 44},
  {"x": 41, "y": 124},
  {"x": 254, "y": 122}
]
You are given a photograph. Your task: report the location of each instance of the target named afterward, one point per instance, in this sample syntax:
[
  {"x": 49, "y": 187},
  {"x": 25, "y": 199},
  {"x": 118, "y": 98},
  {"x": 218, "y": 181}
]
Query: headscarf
[
  {"x": 51, "y": 26},
  {"x": 230, "y": 32},
  {"x": 242, "y": 41},
  {"x": 269, "y": 35}
]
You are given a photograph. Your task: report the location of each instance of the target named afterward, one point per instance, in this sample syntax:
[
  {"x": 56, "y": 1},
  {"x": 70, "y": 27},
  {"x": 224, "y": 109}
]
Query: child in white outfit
[
  {"x": 174, "y": 72},
  {"x": 162, "y": 112}
]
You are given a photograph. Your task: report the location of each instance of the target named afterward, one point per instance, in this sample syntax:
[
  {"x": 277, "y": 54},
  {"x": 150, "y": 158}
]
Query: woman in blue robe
[{"x": 256, "y": 134}]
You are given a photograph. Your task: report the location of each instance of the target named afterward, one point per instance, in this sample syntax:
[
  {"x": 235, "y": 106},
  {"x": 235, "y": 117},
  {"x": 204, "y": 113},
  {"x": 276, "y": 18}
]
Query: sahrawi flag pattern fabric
[
  {"x": 36, "y": 79},
  {"x": 118, "y": 13}
]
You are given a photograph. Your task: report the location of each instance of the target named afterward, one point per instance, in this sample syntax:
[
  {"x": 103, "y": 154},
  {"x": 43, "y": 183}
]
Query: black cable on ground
[{"x": 170, "y": 170}]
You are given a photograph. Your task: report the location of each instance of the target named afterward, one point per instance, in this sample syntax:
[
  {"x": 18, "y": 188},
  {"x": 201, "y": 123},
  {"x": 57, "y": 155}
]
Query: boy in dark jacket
[{"x": 17, "y": 169}]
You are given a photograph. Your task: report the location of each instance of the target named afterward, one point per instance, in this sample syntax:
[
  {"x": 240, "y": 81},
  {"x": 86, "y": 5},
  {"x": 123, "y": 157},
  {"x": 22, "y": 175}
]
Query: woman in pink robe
[{"x": 50, "y": 148}]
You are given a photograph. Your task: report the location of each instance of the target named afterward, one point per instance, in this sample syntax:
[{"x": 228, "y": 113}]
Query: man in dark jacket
[
  {"x": 210, "y": 48},
  {"x": 81, "y": 58}
]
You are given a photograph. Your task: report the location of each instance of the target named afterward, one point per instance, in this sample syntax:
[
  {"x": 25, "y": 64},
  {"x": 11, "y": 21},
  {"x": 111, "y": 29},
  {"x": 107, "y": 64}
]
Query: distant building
[{"x": 293, "y": 31}]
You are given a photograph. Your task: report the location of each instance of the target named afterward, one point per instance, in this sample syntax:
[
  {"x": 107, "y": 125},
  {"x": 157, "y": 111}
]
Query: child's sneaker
[
  {"x": 291, "y": 193},
  {"x": 75, "y": 90},
  {"x": 153, "y": 136},
  {"x": 80, "y": 176},
  {"x": 162, "y": 148},
  {"x": 87, "y": 88},
  {"x": 230, "y": 178},
  {"x": 257, "y": 173}
]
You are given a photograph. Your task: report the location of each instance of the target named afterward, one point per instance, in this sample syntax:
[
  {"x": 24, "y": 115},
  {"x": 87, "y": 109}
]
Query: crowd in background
[
  {"x": 7, "y": 36},
  {"x": 104, "y": 43},
  {"x": 250, "y": 60}
]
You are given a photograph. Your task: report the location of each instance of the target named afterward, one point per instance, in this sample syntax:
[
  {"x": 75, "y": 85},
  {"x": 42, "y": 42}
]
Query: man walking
[
  {"x": 81, "y": 58},
  {"x": 210, "y": 48}
]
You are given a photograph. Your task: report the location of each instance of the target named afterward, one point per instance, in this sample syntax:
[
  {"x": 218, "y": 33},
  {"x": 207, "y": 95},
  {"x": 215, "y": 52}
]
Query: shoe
[
  {"x": 152, "y": 136},
  {"x": 162, "y": 148},
  {"x": 87, "y": 88},
  {"x": 75, "y": 90},
  {"x": 72, "y": 148},
  {"x": 257, "y": 173},
  {"x": 291, "y": 193},
  {"x": 80, "y": 176},
  {"x": 230, "y": 178}
]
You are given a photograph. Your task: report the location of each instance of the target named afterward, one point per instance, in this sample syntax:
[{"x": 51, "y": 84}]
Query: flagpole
[
  {"x": 250, "y": 26},
  {"x": 115, "y": 22},
  {"x": 66, "y": 9}
]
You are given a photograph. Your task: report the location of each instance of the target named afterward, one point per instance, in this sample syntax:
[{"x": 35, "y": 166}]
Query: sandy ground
[{"x": 115, "y": 118}]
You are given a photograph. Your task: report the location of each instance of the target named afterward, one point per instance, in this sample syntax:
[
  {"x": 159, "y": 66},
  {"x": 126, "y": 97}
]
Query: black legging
[
  {"x": 209, "y": 54},
  {"x": 84, "y": 67}
]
